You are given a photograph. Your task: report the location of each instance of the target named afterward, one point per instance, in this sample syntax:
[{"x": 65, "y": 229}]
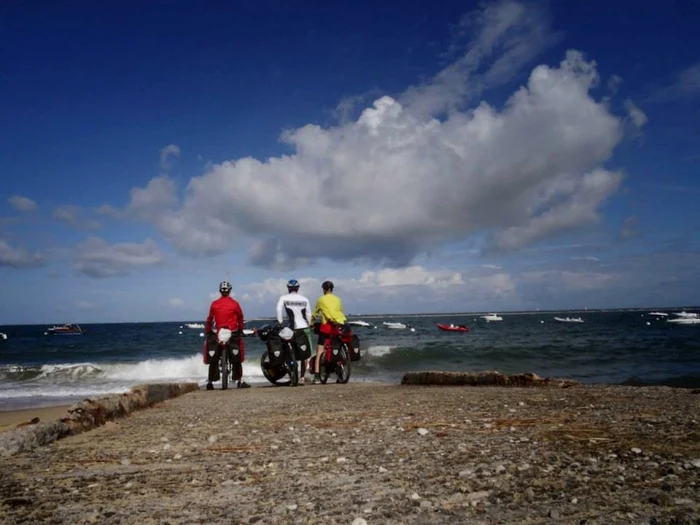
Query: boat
[
  {"x": 398, "y": 326},
  {"x": 659, "y": 314},
  {"x": 66, "y": 329},
  {"x": 249, "y": 331},
  {"x": 3, "y": 336},
  {"x": 685, "y": 320},
  {"x": 194, "y": 325},
  {"x": 453, "y": 327},
  {"x": 360, "y": 323},
  {"x": 492, "y": 317},
  {"x": 568, "y": 319},
  {"x": 687, "y": 315}
]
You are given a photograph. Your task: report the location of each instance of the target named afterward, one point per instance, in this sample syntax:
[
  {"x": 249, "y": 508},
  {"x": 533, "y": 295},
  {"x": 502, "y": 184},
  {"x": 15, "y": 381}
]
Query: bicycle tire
[{"x": 343, "y": 367}]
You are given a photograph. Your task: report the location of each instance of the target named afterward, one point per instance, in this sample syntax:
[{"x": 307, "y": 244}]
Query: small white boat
[
  {"x": 398, "y": 326},
  {"x": 659, "y": 314},
  {"x": 568, "y": 319},
  {"x": 687, "y": 315},
  {"x": 3, "y": 336},
  {"x": 685, "y": 320},
  {"x": 360, "y": 323},
  {"x": 492, "y": 317},
  {"x": 194, "y": 325},
  {"x": 248, "y": 331}
]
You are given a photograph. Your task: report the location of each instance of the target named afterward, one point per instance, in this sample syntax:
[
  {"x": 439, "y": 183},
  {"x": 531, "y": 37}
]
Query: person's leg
[
  {"x": 238, "y": 366},
  {"x": 317, "y": 360},
  {"x": 214, "y": 367}
]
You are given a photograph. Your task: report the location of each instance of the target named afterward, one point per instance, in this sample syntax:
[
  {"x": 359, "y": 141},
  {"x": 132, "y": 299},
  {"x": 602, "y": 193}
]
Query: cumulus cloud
[
  {"x": 95, "y": 257},
  {"x": 73, "y": 216},
  {"x": 168, "y": 152},
  {"x": 636, "y": 115},
  {"x": 416, "y": 170},
  {"x": 15, "y": 257},
  {"x": 24, "y": 204}
]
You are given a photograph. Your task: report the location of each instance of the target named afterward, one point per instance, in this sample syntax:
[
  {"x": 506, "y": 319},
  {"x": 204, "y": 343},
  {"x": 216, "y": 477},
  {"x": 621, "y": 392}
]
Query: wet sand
[
  {"x": 375, "y": 454},
  {"x": 9, "y": 419}
]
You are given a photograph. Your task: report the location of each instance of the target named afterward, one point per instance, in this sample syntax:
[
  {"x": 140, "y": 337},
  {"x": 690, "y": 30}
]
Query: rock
[
  {"x": 382, "y": 470},
  {"x": 554, "y": 514},
  {"x": 466, "y": 473},
  {"x": 422, "y": 431},
  {"x": 636, "y": 450},
  {"x": 491, "y": 378},
  {"x": 415, "y": 496},
  {"x": 695, "y": 463},
  {"x": 474, "y": 497},
  {"x": 341, "y": 460},
  {"x": 177, "y": 456},
  {"x": 294, "y": 506},
  {"x": 425, "y": 504},
  {"x": 359, "y": 521},
  {"x": 125, "y": 462},
  {"x": 213, "y": 439}
]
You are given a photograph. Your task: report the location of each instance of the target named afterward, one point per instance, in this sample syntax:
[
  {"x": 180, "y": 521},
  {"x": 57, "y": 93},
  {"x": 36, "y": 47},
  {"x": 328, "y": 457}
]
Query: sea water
[{"x": 39, "y": 369}]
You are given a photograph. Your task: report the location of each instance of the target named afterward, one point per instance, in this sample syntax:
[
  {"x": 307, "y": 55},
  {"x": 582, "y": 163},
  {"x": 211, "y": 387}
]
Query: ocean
[{"x": 630, "y": 347}]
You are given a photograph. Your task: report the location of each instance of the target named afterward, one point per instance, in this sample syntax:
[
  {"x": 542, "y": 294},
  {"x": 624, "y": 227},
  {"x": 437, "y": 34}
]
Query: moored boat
[
  {"x": 360, "y": 323},
  {"x": 453, "y": 327},
  {"x": 492, "y": 317},
  {"x": 66, "y": 329},
  {"x": 568, "y": 319}
]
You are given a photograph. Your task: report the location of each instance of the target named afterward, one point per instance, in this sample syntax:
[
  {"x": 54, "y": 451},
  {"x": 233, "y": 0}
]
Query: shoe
[
  {"x": 210, "y": 386},
  {"x": 243, "y": 384},
  {"x": 302, "y": 381},
  {"x": 317, "y": 380},
  {"x": 338, "y": 381}
]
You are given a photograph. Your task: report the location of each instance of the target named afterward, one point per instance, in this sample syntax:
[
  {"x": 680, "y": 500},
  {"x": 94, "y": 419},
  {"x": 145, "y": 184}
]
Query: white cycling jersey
[{"x": 297, "y": 309}]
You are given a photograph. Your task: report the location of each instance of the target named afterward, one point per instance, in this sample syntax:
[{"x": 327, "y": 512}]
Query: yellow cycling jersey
[{"x": 330, "y": 308}]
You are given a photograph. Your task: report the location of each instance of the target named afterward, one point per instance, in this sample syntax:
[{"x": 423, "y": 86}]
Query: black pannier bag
[
  {"x": 354, "y": 348},
  {"x": 302, "y": 346},
  {"x": 275, "y": 349},
  {"x": 234, "y": 355}
]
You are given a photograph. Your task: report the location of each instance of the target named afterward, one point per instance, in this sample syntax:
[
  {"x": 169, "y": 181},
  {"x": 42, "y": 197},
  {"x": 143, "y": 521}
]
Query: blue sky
[{"x": 440, "y": 157}]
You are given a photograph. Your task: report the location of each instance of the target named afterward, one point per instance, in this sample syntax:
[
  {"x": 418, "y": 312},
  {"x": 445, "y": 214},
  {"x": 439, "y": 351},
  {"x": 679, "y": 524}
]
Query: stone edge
[
  {"x": 490, "y": 378},
  {"x": 89, "y": 414}
]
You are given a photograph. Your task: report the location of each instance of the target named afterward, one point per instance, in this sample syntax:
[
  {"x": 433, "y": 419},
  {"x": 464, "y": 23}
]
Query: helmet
[
  {"x": 327, "y": 285},
  {"x": 292, "y": 284},
  {"x": 225, "y": 287}
]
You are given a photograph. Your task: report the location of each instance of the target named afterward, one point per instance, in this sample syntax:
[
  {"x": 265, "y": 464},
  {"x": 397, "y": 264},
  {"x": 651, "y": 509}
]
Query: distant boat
[
  {"x": 66, "y": 329},
  {"x": 194, "y": 325},
  {"x": 453, "y": 328},
  {"x": 685, "y": 320},
  {"x": 660, "y": 314},
  {"x": 248, "y": 331},
  {"x": 568, "y": 319},
  {"x": 398, "y": 326},
  {"x": 3, "y": 336},
  {"x": 492, "y": 317},
  {"x": 686, "y": 315},
  {"x": 360, "y": 323}
]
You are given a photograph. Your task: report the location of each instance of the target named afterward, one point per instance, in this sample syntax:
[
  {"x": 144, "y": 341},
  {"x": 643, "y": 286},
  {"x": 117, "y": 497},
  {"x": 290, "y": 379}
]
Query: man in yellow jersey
[{"x": 330, "y": 310}]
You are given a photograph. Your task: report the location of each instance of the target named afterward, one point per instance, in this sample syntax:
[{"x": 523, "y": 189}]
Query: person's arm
[
  {"x": 317, "y": 309},
  {"x": 209, "y": 318},
  {"x": 280, "y": 310},
  {"x": 240, "y": 318},
  {"x": 307, "y": 310}
]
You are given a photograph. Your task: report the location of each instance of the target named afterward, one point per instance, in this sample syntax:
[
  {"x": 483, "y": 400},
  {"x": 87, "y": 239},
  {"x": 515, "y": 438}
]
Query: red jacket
[{"x": 225, "y": 311}]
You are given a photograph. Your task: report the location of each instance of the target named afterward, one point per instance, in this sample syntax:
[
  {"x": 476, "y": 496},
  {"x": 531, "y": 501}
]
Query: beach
[{"x": 374, "y": 453}]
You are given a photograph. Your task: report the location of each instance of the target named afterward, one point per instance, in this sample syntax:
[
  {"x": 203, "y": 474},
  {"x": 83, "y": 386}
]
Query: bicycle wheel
[
  {"x": 272, "y": 374},
  {"x": 294, "y": 375},
  {"x": 224, "y": 369},
  {"x": 342, "y": 368}
]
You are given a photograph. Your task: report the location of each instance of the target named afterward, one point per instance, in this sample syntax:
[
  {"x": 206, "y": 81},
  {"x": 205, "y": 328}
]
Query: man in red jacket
[{"x": 225, "y": 312}]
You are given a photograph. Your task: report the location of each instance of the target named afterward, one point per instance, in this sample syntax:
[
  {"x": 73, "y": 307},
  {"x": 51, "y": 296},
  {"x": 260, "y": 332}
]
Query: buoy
[
  {"x": 180, "y": 333},
  {"x": 541, "y": 322},
  {"x": 648, "y": 323},
  {"x": 201, "y": 334}
]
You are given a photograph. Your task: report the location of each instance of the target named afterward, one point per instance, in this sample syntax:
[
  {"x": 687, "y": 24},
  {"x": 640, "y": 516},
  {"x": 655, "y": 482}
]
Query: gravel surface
[{"x": 373, "y": 454}]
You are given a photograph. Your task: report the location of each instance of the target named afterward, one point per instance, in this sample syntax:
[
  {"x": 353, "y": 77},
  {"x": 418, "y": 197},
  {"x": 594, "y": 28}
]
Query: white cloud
[
  {"x": 19, "y": 257},
  {"x": 108, "y": 210},
  {"x": 24, "y": 204},
  {"x": 168, "y": 152},
  {"x": 636, "y": 115},
  {"x": 95, "y": 257},
  {"x": 398, "y": 181},
  {"x": 176, "y": 302},
  {"x": 685, "y": 86}
]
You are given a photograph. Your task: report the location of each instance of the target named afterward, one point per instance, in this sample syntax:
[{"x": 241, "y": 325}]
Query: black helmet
[
  {"x": 225, "y": 287},
  {"x": 327, "y": 286},
  {"x": 293, "y": 285}
]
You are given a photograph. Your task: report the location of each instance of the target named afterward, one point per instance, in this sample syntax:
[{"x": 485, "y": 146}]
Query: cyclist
[
  {"x": 225, "y": 312},
  {"x": 329, "y": 309},
  {"x": 298, "y": 311}
]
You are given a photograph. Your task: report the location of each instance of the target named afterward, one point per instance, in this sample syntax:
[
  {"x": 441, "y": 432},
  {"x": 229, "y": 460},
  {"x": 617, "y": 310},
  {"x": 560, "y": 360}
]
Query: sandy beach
[
  {"x": 11, "y": 418},
  {"x": 371, "y": 453}
]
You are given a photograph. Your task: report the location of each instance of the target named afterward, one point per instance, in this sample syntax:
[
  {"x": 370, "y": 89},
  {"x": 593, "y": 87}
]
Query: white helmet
[{"x": 225, "y": 287}]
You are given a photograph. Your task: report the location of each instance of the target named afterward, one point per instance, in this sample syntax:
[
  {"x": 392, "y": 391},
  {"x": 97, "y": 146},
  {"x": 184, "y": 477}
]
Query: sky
[{"x": 424, "y": 156}]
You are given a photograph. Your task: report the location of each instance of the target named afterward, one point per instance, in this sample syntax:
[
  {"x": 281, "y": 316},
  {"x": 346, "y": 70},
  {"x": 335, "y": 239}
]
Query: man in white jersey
[{"x": 297, "y": 309}]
